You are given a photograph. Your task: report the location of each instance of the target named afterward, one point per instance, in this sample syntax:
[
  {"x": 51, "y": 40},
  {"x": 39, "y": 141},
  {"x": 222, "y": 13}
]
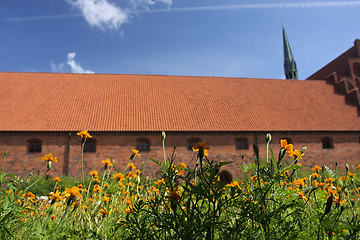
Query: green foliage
[{"x": 273, "y": 200}]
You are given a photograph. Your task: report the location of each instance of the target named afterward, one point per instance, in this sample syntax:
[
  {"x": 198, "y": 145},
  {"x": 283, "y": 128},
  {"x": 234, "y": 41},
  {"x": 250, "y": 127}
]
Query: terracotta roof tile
[{"x": 105, "y": 102}]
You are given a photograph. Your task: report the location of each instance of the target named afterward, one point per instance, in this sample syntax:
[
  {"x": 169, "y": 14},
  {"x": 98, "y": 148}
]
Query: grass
[{"x": 273, "y": 199}]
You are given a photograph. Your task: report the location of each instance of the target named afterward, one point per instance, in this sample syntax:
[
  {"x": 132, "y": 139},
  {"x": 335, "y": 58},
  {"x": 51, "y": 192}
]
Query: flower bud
[
  {"x": 163, "y": 135},
  {"x": 268, "y": 137}
]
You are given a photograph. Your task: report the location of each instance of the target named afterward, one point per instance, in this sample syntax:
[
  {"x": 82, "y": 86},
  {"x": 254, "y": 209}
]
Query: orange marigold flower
[
  {"x": 351, "y": 174},
  {"x": 31, "y": 196},
  {"x": 119, "y": 177},
  {"x": 94, "y": 174},
  {"x": 57, "y": 179},
  {"x": 234, "y": 184},
  {"x": 97, "y": 188},
  {"x": 103, "y": 212},
  {"x": 52, "y": 217},
  {"x": 84, "y": 134},
  {"x": 315, "y": 175},
  {"x": 107, "y": 163},
  {"x": 358, "y": 168},
  {"x": 296, "y": 153},
  {"x": 201, "y": 147},
  {"x": 132, "y": 166},
  {"x": 49, "y": 158},
  {"x": 129, "y": 209},
  {"x": 55, "y": 196},
  {"x": 96, "y": 180},
  {"x": 316, "y": 168},
  {"x": 288, "y": 147},
  {"x": 106, "y": 199},
  {"x": 181, "y": 165},
  {"x": 159, "y": 181},
  {"x": 73, "y": 192},
  {"x": 135, "y": 152},
  {"x": 137, "y": 171}
]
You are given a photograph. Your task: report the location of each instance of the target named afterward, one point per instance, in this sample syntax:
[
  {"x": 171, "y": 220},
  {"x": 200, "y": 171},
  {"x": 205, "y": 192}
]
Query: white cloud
[
  {"x": 73, "y": 66},
  {"x": 263, "y": 6},
  {"x": 101, "y": 13},
  {"x": 108, "y": 15}
]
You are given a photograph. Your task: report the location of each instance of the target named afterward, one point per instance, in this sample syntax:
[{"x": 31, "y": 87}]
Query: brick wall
[{"x": 117, "y": 146}]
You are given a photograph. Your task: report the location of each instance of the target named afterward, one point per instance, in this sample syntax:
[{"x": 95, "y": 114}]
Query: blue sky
[{"x": 229, "y": 38}]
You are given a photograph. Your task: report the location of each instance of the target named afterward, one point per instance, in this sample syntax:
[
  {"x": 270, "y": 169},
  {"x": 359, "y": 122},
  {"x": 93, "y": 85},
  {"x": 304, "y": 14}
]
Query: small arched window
[
  {"x": 241, "y": 143},
  {"x": 327, "y": 143},
  {"x": 288, "y": 140},
  {"x": 192, "y": 142},
  {"x": 90, "y": 145},
  {"x": 143, "y": 144},
  {"x": 34, "y": 146}
]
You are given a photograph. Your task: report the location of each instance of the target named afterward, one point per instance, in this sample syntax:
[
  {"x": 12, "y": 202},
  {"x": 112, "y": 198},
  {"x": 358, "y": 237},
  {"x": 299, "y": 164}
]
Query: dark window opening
[
  {"x": 34, "y": 146},
  {"x": 90, "y": 146},
  {"x": 242, "y": 143},
  {"x": 143, "y": 145},
  {"x": 288, "y": 140},
  {"x": 192, "y": 142},
  {"x": 327, "y": 143}
]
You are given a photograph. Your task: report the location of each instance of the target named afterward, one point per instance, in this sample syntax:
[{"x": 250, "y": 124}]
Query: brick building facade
[
  {"x": 41, "y": 113},
  {"x": 117, "y": 146}
]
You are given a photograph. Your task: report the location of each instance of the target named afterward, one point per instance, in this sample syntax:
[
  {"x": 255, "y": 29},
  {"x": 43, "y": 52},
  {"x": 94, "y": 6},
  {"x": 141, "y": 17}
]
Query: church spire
[{"x": 289, "y": 61}]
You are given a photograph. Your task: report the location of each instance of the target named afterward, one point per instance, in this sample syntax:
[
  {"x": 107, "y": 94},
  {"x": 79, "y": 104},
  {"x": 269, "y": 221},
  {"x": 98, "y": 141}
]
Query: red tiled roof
[{"x": 104, "y": 102}]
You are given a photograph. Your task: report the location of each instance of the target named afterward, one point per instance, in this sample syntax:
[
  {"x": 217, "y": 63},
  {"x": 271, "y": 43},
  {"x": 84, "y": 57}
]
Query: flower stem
[{"x": 82, "y": 162}]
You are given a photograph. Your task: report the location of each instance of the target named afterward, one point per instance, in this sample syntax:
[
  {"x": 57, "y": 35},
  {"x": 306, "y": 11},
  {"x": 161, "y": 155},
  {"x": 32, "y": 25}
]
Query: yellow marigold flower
[
  {"x": 154, "y": 189},
  {"x": 131, "y": 175},
  {"x": 107, "y": 162},
  {"x": 103, "y": 212},
  {"x": 301, "y": 195},
  {"x": 49, "y": 158},
  {"x": 316, "y": 168},
  {"x": 84, "y": 134},
  {"x": 135, "y": 152},
  {"x": 132, "y": 166},
  {"x": 106, "y": 199},
  {"x": 55, "y": 196},
  {"x": 31, "y": 196},
  {"x": 57, "y": 179},
  {"x": 159, "y": 181},
  {"x": 234, "y": 184},
  {"x": 296, "y": 153},
  {"x": 129, "y": 209},
  {"x": 73, "y": 192},
  {"x": 97, "y": 188},
  {"x": 283, "y": 143},
  {"x": 329, "y": 179},
  {"x": 181, "y": 165},
  {"x": 137, "y": 171},
  {"x": 96, "y": 180},
  {"x": 201, "y": 147},
  {"x": 119, "y": 177},
  {"x": 94, "y": 174},
  {"x": 315, "y": 175}
]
